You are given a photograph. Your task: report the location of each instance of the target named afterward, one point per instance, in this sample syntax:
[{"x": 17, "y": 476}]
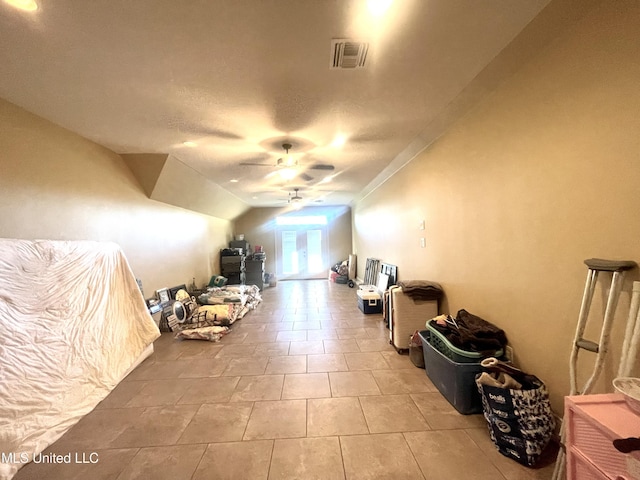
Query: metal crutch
[
  {"x": 595, "y": 266},
  {"x": 631, "y": 334}
]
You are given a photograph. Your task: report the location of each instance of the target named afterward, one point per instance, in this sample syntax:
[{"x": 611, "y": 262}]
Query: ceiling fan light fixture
[{"x": 288, "y": 160}]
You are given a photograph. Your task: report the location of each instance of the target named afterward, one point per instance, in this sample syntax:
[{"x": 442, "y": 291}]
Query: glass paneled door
[{"x": 301, "y": 252}]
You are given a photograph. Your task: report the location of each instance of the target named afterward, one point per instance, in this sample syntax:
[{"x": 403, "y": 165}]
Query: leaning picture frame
[
  {"x": 163, "y": 295},
  {"x": 174, "y": 290}
]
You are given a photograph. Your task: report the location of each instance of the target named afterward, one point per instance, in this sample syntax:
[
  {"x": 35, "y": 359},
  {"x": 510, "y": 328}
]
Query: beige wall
[
  {"x": 57, "y": 185},
  {"x": 258, "y": 227},
  {"x": 542, "y": 174}
]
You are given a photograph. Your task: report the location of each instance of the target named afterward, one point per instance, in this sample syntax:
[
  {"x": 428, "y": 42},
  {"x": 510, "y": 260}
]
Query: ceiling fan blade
[
  {"x": 306, "y": 177},
  {"x": 256, "y": 164},
  {"x": 322, "y": 166}
]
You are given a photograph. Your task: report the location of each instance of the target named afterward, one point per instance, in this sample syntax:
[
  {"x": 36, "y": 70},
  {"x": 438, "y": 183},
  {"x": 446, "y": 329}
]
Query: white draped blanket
[{"x": 72, "y": 323}]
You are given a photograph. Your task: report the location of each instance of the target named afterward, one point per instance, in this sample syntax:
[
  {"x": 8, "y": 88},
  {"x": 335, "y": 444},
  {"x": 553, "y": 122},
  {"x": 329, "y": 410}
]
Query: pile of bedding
[
  {"x": 209, "y": 333},
  {"x": 221, "y": 307},
  {"x": 73, "y": 323},
  {"x": 231, "y": 302}
]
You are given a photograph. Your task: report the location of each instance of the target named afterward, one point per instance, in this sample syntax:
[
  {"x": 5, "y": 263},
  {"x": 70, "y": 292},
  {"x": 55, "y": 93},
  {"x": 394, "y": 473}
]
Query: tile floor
[{"x": 304, "y": 387}]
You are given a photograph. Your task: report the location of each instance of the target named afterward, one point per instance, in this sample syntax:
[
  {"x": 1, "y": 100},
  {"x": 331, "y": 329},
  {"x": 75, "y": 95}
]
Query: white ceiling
[{"x": 240, "y": 77}]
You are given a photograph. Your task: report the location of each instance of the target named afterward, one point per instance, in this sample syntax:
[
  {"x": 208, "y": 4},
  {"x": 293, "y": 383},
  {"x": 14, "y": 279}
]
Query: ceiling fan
[
  {"x": 288, "y": 161},
  {"x": 295, "y": 197},
  {"x": 297, "y": 201}
]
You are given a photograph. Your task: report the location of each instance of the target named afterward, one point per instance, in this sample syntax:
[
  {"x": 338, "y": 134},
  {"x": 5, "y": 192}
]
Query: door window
[{"x": 302, "y": 246}]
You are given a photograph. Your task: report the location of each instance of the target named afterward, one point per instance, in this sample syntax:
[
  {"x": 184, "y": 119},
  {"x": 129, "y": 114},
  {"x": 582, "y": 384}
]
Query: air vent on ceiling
[{"x": 348, "y": 53}]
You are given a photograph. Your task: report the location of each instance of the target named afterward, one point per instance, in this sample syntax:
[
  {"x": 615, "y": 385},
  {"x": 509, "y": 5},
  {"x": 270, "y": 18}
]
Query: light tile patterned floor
[{"x": 305, "y": 387}]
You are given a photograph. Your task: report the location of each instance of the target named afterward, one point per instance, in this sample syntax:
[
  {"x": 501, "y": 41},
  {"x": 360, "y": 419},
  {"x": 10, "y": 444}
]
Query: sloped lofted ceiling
[{"x": 239, "y": 78}]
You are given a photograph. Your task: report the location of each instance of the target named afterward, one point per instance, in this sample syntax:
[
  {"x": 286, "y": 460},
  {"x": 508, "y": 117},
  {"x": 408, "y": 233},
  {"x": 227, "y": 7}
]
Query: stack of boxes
[{"x": 232, "y": 262}]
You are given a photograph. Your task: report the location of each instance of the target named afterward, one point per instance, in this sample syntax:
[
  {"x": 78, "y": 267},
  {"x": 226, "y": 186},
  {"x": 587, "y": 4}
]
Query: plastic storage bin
[
  {"x": 455, "y": 381},
  {"x": 444, "y": 346}
]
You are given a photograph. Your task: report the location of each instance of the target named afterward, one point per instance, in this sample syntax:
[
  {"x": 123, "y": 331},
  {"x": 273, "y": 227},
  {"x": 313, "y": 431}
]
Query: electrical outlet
[
  {"x": 423, "y": 242},
  {"x": 508, "y": 353}
]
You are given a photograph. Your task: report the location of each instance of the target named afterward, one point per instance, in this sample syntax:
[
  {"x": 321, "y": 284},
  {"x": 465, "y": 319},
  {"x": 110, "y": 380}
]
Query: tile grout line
[
  {"x": 273, "y": 447},
  {"x": 413, "y": 455},
  {"x": 484, "y": 454},
  {"x": 344, "y": 468},
  {"x": 195, "y": 470},
  {"x": 244, "y": 432}
]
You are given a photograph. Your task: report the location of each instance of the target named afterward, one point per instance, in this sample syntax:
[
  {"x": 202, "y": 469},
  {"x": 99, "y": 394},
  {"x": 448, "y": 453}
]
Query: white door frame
[{"x": 301, "y": 241}]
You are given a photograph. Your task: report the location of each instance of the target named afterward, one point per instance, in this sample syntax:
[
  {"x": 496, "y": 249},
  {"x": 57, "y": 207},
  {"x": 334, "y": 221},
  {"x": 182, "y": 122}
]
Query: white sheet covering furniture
[{"x": 73, "y": 323}]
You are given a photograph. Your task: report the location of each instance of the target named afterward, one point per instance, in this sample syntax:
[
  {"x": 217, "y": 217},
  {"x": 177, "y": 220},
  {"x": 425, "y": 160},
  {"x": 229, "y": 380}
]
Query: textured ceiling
[{"x": 241, "y": 77}]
